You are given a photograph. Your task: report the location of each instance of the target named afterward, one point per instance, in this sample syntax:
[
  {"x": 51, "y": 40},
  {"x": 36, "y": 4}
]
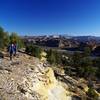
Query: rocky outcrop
[{"x": 25, "y": 78}]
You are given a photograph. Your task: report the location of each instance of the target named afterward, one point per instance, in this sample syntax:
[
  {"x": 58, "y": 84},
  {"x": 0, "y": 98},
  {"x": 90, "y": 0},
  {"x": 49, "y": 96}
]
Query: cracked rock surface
[{"x": 25, "y": 78}]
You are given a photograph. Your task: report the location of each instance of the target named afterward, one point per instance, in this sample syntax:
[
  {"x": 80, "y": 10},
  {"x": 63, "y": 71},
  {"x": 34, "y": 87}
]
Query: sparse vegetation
[
  {"x": 34, "y": 51},
  {"x": 96, "y": 63},
  {"x": 55, "y": 57},
  {"x": 4, "y": 38},
  {"x": 82, "y": 64},
  {"x": 92, "y": 94},
  {"x": 87, "y": 51}
]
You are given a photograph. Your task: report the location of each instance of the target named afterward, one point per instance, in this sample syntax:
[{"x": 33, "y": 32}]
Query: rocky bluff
[{"x": 26, "y": 78}]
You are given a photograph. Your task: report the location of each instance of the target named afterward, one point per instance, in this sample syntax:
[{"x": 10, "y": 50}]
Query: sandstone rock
[{"x": 29, "y": 79}]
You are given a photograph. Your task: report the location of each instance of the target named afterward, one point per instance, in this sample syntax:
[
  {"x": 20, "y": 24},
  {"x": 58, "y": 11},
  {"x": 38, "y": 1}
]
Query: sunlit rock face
[
  {"x": 27, "y": 79},
  {"x": 48, "y": 86}
]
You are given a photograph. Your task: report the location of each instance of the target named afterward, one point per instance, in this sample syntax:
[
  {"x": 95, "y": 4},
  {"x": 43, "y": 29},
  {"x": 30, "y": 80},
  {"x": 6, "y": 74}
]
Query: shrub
[
  {"x": 92, "y": 94},
  {"x": 4, "y": 38},
  {"x": 34, "y": 51}
]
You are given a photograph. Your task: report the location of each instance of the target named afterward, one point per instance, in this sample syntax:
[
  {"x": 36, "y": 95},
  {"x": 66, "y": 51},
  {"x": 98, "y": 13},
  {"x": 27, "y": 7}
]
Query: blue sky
[{"x": 42, "y": 17}]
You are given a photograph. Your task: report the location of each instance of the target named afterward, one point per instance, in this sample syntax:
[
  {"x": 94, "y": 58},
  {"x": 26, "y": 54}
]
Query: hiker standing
[{"x": 11, "y": 50}]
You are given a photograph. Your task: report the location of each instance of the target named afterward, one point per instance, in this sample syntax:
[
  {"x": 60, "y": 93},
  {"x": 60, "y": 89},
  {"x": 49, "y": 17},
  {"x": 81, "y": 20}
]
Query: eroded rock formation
[{"x": 27, "y": 79}]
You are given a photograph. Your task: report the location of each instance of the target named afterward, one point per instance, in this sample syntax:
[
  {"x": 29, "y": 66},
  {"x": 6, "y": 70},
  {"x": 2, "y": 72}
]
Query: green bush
[
  {"x": 54, "y": 57},
  {"x": 51, "y": 57},
  {"x": 92, "y": 94},
  {"x": 34, "y": 51},
  {"x": 87, "y": 69},
  {"x": 87, "y": 51},
  {"x": 4, "y": 38},
  {"x": 96, "y": 63}
]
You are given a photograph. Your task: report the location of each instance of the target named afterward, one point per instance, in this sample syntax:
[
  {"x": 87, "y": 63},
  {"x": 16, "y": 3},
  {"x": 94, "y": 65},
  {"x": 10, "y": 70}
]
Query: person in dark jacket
[{"x": 11, "y": 50}]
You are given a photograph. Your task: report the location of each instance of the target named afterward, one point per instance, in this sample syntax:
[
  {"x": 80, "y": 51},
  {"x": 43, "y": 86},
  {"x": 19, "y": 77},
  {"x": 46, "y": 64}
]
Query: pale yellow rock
[
  {"x": 51, "y": 90},
  {"x": 43, "y": 56},
  {"x": 86, "y": 89},
  {"x": 97, "y": 93},
  {"x": 43, "y": 59},
  {"x": 57, "y": 93},
  {"x": 29, "y": 80}
]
